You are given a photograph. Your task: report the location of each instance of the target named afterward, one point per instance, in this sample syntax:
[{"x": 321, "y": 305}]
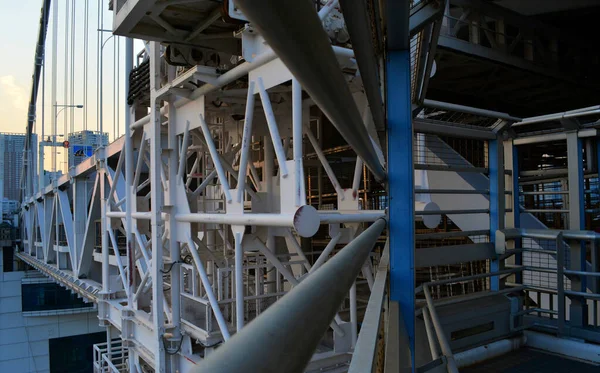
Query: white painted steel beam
[{"x": 311, "y": 60}]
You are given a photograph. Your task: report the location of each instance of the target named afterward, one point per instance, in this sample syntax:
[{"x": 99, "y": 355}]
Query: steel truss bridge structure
[{"x": 192, "y": 231}]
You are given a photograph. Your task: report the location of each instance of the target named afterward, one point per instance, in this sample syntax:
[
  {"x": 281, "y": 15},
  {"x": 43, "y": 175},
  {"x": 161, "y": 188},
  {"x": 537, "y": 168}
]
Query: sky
[
  {"x": 19, "y": 23},
  {"x": 18, "y": 29}
]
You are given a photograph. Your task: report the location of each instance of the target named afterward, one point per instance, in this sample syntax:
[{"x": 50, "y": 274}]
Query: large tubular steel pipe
[
  {"x": 284, "y": 337},
  {"x": 435, "y": 354},
  {"x": 359, "y": 216},
  {"x": 312, "y": 61},
  {"x": 470, "y": 110},
  {"x": 439, "y": 330},
  {"x": 305, "y": 220},
  {"x": 558, "y": 116}
]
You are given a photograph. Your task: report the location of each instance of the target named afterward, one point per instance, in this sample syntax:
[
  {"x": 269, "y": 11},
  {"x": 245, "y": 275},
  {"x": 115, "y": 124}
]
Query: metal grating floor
[{"x": 527, "y": 360}]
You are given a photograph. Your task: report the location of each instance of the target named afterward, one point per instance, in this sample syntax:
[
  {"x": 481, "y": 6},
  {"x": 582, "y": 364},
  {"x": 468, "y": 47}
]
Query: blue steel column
[
  {"x": 576, "y": 182},
  {"x": 400, "y": 167},
  {"x": 578, "y": 308},
  {"x": 497, "y": 198},
  {"x": 595, "y": 253},
  {"x": 516, "y": 206}
]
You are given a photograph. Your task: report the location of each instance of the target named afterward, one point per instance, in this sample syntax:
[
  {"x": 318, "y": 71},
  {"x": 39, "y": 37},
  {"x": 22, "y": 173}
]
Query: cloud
[
  {"x": 13, "y": 104},
  {"x": 16, "y": 94}
]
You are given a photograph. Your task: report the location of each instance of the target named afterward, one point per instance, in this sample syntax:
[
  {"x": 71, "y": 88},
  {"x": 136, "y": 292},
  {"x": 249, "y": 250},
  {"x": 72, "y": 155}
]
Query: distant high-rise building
[
  {"x": 83, "y": 144},
  {"x": 12, "y": 146}
]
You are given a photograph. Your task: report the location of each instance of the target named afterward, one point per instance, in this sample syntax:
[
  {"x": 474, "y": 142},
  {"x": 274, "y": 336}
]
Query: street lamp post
[
  {"x": 54, "y": 178},
  {"x": 101, "y": 93},
  {"x": 63, "y": 107}
]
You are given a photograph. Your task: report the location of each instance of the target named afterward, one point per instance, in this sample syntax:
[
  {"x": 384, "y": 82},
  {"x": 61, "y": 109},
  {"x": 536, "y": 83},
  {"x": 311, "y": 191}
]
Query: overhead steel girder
[
  {"x": 356, "y": 16},
  {"x": 470, "y": 110},
  {"x": 421, "y": 15},
  {"x": 525, "y": 139},
  {"x": 311, "y": 60},
  {"x": 437, "y": 128}
]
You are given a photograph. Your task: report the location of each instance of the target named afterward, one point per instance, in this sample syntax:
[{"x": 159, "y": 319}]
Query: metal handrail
[
  {"x": 439, "y": 331},
  {"x": 285, "y": 336},
  {"x": 429, "y": 312},
  {"x": 561, "y": 237}
]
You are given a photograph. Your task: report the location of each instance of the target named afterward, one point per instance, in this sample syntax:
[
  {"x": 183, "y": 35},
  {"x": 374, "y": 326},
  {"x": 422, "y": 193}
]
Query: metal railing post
[
  {"x": 430, "y": 337},
  {"x": 560, "y": 282}
]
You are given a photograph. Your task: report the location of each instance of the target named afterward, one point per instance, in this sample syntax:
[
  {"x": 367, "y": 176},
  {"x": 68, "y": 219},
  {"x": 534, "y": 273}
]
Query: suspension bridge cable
[
  {"x": 73, "y": 32},
  {"x": 118, "y": 85},
  {"x": 86, "y": 25},
  {"x": 114, "y": 84},
  {"x": 98, "y": 67},
  {"x": 66, "y": 76}
]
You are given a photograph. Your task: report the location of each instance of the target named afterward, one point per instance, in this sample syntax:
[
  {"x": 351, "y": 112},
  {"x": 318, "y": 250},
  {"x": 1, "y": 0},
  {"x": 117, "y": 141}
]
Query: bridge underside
[{"x": 471, "y": 80}]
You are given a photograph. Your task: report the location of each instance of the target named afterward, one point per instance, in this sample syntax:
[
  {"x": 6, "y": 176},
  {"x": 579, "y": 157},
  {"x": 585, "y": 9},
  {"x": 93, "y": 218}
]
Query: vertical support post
[
  {"x": 129, "y": 238},
  {"x": 500, "y": 33},
  {"x": 589, "y": 155},
  {"x": 299, "y": 193},
  {"x": 104, "y": 228},
  {"x": 575, "y": 165},
  {"x": 109, "y": 342},
  {"x": 578, "y": 308},
  {"x": 41, "y": 182},
  {"x": 474, "y": 25},
  {"x": 267, "y": 180},
  {"x": 177, "y": 164},
  {"x": 560, "y": 283},
  {"x": 353, "y": 315},
  {"x": 497, "y": 198},
  {"x": 156, "y": 198},
  {"x": 516, "y": 206},
  {"x": 56, "y": 230},
  {"x": 400, "y": 169},
  {"x": 54, "y": 82},
  {"x": 358, "y": 168},
  {"x": 239, "y": 281},
  {"x": 595, "y": 253},
  {"x": 80, "y": 217}
]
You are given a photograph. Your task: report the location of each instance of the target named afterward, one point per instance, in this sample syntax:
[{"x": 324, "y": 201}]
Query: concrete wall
[{"x": 24, "y": 339}]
